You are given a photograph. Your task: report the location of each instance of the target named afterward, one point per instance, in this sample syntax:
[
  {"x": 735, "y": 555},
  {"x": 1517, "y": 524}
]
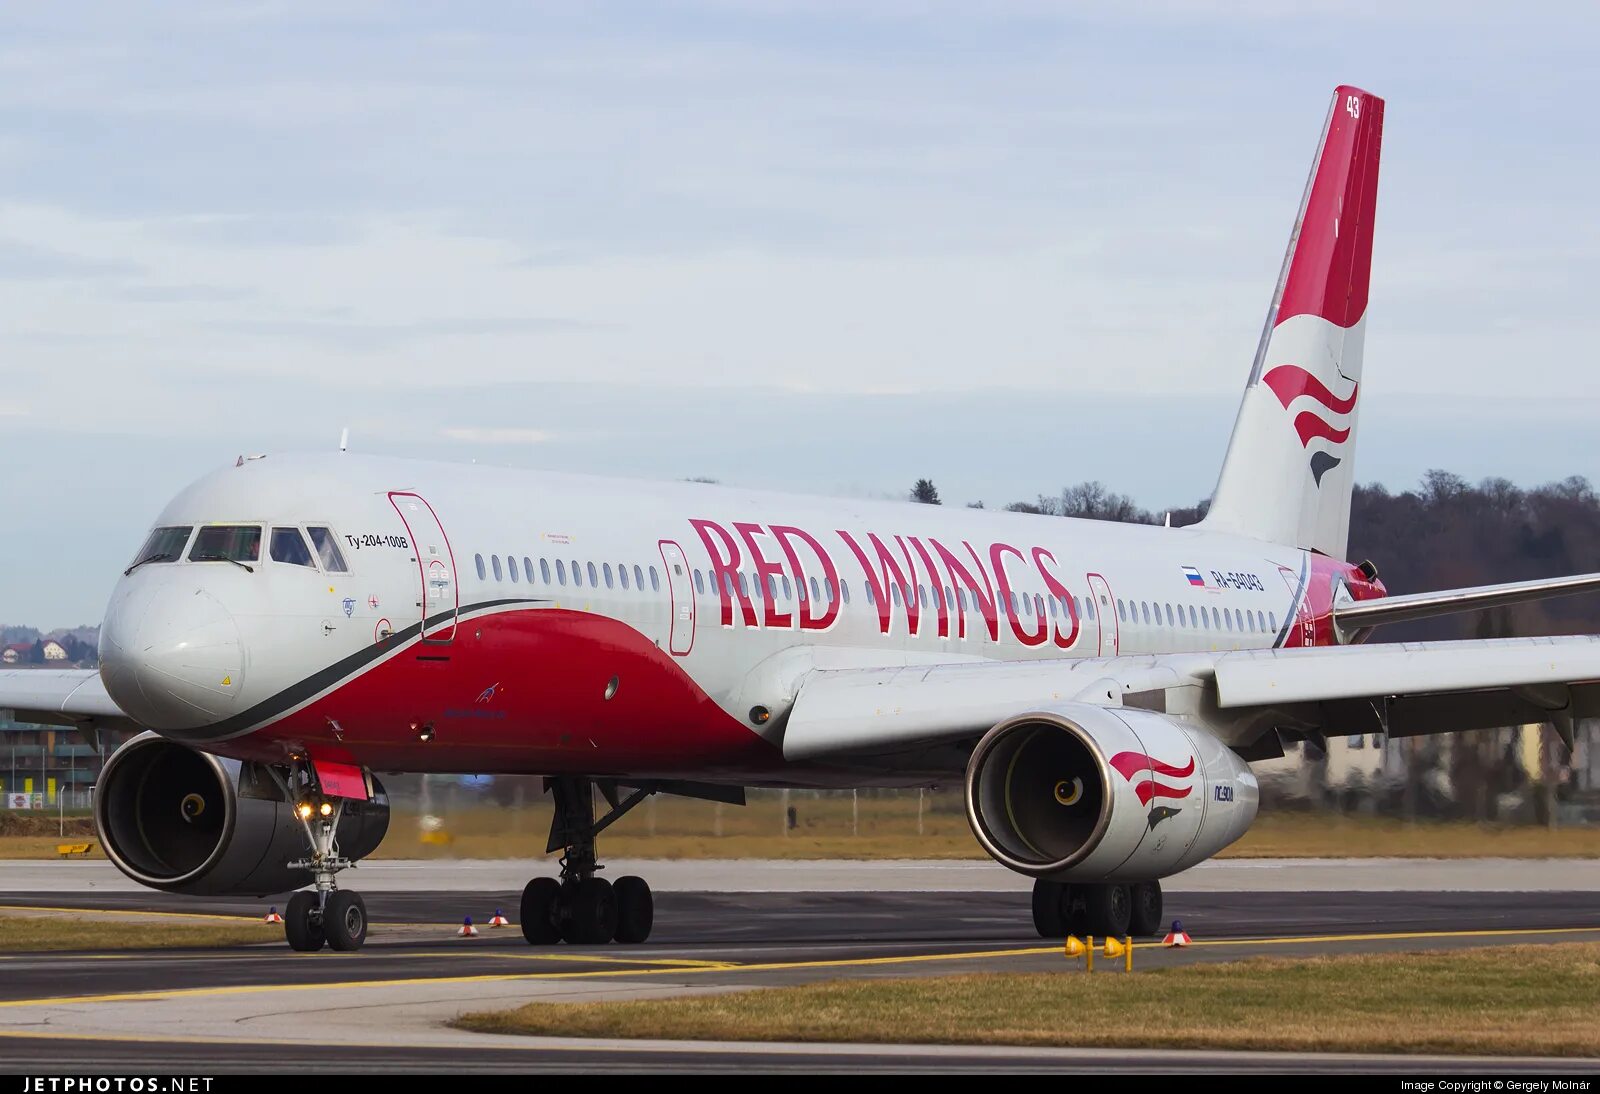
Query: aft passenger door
[
  {"x": 1105, "y": 614},
  {"x": 681, "y": 593},
  {"x": 438, "y": 593}
]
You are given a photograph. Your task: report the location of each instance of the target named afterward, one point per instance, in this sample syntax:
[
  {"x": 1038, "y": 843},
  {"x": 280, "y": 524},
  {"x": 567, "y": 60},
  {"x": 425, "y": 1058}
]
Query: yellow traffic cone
[
  {"x": 1075, "y": 947},
  {"x": 1114, "y": 948}
]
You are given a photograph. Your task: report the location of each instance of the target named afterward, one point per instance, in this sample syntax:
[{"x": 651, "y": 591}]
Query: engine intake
[
  {"x": 185, "y": 821},
  {"x": 1088, "y": 793}
]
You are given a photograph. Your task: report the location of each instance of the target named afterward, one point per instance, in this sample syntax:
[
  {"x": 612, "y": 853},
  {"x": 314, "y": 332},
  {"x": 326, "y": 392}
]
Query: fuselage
[{"x": 475, "y": 619}]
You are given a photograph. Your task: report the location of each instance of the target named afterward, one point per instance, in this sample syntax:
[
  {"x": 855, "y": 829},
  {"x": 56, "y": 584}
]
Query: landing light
[
  {"x": 326, "y": 809},
  {"x": 303, "y": 810}
]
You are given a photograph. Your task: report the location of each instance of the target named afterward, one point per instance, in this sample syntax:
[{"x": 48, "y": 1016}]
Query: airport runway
[{"x": 385, "y": 1008}]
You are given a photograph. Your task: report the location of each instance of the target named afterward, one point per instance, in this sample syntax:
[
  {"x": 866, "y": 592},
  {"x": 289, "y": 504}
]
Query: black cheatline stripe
[
  {"x": 322, "y": 679},
  {"x": 1294, "y": 605}
]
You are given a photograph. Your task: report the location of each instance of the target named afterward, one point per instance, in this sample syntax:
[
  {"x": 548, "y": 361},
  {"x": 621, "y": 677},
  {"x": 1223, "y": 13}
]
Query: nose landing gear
[
  {"x": 325, "y": 915},
  {"x": 582, "y": 908}
]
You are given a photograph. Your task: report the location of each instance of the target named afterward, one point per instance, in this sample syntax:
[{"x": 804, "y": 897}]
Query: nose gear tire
[
  {"x": 344, "y": 920},
  {"x": 302, "y": 933}
]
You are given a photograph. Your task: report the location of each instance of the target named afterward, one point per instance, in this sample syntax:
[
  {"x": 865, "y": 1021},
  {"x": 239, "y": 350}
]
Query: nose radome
[{"x": 170, "y": 657}]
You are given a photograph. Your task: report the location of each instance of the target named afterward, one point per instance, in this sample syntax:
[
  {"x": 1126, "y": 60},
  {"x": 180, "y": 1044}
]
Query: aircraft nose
[{"x": 171, "y": 657}]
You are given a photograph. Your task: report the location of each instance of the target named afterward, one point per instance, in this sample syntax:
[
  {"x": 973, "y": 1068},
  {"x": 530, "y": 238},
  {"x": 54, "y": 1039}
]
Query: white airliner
[{"x": 293, "y": 625}]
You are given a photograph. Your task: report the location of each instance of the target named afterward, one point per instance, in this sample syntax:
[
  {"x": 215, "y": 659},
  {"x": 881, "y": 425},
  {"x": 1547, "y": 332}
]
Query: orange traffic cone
[
  {"x": 467, "y": 929},
  {"x": 1177, "y": 936},
  {"x": 273, "y": 916},
  {"x": 498, "y": 920}
]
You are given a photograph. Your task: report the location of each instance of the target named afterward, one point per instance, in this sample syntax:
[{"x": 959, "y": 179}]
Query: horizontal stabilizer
[{"x": 1357, "y": 616}]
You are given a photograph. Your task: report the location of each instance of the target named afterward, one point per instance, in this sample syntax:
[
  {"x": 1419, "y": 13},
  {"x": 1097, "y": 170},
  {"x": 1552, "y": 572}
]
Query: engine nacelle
[
  {"x": 174, "y": 818},
  {"x": 1086, "y": 793}
]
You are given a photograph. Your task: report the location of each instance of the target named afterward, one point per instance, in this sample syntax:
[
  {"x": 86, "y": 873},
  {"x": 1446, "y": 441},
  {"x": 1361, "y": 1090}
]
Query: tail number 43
[{"x": 1352, "y": 105}]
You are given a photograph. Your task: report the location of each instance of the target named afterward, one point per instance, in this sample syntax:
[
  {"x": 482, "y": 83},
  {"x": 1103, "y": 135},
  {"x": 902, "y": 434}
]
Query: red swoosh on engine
[
  {"x": 1310, "y": 427},
  {"x": 1289, "y": 382},
  {"x": 1153, "y": 789},
  {"x": 1129, "y": 764}
]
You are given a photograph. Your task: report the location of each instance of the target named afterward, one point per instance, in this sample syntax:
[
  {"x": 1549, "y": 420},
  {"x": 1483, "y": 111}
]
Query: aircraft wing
[
  {"x": 1402, "y": 689},
  {"x": 62, "y": 697}
]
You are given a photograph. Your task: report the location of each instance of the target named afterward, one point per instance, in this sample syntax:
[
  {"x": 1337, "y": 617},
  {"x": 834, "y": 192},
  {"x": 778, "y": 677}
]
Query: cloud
[
  {"x": 22, "y": 261},
  {"x": 498, "y": 435}
]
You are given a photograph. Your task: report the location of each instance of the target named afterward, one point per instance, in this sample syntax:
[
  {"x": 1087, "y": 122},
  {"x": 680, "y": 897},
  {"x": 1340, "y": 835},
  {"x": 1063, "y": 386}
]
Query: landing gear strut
[
  {"x": 1060, "y": 909},
  {"x": 583, "y": 908},
  {"x": 325, "y": 915}
]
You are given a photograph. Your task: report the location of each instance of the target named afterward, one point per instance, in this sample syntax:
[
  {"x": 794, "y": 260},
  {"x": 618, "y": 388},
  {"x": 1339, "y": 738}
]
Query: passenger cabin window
[
  {"x": 511, "y": 566},
  {"x": 288, "y": 545},
  {"x": 577, "y": 573},
  {"x": 655, "y": 582},
  {"x": 594, "y": 577},
  {"x": 483, "y": 574},
  {"x": 494, "y": 561},
  {"x": 164, "y": 545},
  {"x": 327, "y": 546},
  {"x": 607, "y": 571},
  {"x": 227, "y": 543},
  {"x": 561, "y": 572},
  {"x": 527, "y": 568},
  {"x": 638, "y": 581},
  {"x": 544, "y": 570}
]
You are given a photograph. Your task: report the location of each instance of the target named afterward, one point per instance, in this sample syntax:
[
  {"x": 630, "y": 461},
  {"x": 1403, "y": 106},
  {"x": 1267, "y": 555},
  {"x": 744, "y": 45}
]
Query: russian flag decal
[{"x": 1194, "y": 576}]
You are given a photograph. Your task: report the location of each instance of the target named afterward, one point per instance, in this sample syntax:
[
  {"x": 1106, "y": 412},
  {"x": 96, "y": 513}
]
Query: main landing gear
[
  {"x": 582, "y": 908},
  {"x": 325, "y": 915},
  {"x": 1113, "y": 911}
]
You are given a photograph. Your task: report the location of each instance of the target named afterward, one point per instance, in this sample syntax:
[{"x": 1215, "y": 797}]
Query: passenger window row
[
  {"x": 1150, "y": 613},
  {"x": 509, "y": 568},
  {"x": 520, "y": 571}
]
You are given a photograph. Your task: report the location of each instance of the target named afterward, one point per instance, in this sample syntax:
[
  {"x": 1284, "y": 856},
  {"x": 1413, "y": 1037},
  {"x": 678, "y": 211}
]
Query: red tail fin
[
  {"x": 1331, "y": 260},
  {"x": 1290, "y": 466}
]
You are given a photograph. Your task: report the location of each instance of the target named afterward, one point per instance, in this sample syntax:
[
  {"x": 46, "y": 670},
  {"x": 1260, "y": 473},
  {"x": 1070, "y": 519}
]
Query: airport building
[{"x": 48, "y": 767}]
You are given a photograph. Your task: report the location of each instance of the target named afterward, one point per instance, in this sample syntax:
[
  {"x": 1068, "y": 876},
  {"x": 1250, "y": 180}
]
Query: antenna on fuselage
[{"x": 344, "y": 438}]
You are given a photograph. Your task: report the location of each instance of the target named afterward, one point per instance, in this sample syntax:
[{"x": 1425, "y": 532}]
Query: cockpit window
[
  {"x": 226, "y": 543},
  {"x": 328, "y": 550},
  {"x": 288, "y": 545},
  {"x": 164, "y": 545}
]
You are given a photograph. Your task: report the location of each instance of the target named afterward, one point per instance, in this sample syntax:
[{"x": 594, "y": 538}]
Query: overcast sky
[{"x": 822, "y": 247}]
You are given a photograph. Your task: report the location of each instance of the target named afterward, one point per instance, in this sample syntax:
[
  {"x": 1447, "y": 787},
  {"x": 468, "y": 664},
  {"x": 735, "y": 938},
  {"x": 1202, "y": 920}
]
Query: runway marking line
[{"x": 769, "y": 966}]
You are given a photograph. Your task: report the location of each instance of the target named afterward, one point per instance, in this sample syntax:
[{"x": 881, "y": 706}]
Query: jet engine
[
  {"x": 1083, "y": 793},
  {"x": 178, "y": 819}
]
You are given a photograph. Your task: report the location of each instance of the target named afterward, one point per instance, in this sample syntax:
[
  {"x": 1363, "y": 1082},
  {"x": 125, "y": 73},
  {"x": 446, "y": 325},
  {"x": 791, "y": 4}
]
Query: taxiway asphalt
[{"x": 386, "y": 1008}]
